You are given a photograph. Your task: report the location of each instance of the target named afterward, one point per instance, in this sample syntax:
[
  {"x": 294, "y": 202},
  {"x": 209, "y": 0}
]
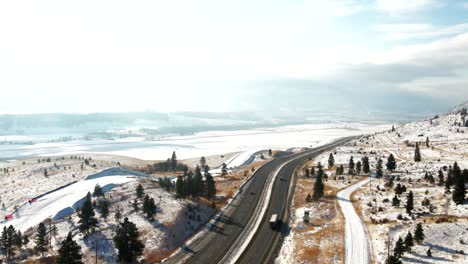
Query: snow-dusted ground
[
  {"x": 448, "y": 143},
  {"x": 65, "y": 201}
]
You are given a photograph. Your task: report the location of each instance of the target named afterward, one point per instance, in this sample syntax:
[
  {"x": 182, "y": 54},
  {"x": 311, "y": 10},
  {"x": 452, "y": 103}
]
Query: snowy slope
[{"x": 63, "y": 202}]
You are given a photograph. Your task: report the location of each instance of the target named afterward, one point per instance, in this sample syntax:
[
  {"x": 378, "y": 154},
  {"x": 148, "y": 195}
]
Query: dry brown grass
[{"x": 322, "y": 241}]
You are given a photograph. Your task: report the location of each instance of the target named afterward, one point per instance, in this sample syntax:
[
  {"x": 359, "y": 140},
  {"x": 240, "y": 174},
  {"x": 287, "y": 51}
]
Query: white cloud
[
  {"x": 418, "y": 31},
  {"x": 396, "y": 7},
  {"x": 333, "y": 8}
]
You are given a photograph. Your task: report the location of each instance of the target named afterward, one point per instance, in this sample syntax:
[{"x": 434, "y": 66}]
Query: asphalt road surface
[
  {"x": 212, "y": 246},
  {"x": 356, "y": 240}
]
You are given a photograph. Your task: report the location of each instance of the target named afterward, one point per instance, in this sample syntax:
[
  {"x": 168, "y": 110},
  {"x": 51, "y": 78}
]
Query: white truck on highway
[{"x": 273, "y": 221}]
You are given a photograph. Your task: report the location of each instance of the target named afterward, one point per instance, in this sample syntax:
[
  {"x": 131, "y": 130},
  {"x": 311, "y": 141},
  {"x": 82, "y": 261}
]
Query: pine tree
[
  {"x": 174, "y": 161},
  {"x": 98, "y": 191},
  {"x": 210, "y": 187},
  {"x": 104, "y": 208},
  {"x": 331, "y": 160},
  {"x": 149, "y": 207},
  {"x": 459, "y": 191},
  {"x": 358, "y": 167},
  {"x": 391, "y": 163},
  {"x": 307, "y": 172},
  {"x": 351, "y": 166},
  {"x": 127, "y": 241},
  {"x": 341, "y": 169},
  {"x": 18, "y": 240},
  {"x": 41, "y": 239},
  {"x": 395, "y": 201},
  {"x": 140, "y": 192},
  {"x": 429, "y": 253},
  {"x": 419, "y": 234},
  {"x": 312, "y": 171},
  {"x": 409, "y": 203},
  {"x": 409, "y": 242},
  {"x": 393, "y": 260},
  {"x": 318, "y": 186},
  {"x": 365, "y": 165},
  {"x": 86, "y": 214},
  {"x": 427, "y": 141},
  {"x": 417, "y": 153},
  {"x": 135, "y": 205},
  {"x": 7, "y": 242},
  {"x": 441, "y": 178},
  {"x": 180, "y": 188},
  {"x": 198, "y": 182},
  {"x": 309, "y": 198},
  {"x": 399, "y": 248},
  {"x": 69, "y": 252},
  {"x": 379, "y": 169}
]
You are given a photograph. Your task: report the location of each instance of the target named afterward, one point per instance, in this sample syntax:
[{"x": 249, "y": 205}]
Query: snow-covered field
[
  {"x": 65, "y": 201},
  {"x": 200, "y": 144}
]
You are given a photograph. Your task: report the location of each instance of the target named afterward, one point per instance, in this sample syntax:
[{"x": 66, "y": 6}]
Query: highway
[{"x": 228, "y": 232}]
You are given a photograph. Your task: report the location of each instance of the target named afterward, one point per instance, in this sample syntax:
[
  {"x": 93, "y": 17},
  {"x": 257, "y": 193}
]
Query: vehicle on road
[{"x": 273, "y": 221}]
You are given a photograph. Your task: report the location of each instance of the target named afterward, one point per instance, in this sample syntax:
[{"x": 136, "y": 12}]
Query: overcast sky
[{"x": 101, "y": 56}]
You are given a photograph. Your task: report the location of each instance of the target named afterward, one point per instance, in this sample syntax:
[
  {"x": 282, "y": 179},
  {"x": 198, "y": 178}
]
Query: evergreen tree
[
  {"x": 409, "y": 203},
  {"x": 441, "y": 178},
  {"x": 307, "y": 172},
  {"x": 379, "y": 169},
  {"x": 309, "y": 198},
  {"x": 399, "y": 248},
  {"x": 210, "y": 187},
  {"x": 318, "y": 186},
  {"x": 393, "y": 260},
  {"x": 69, "y": 252},
  {"x": 459, "y": 192},
  {"x": 180, "y": 187},
  {"x": 395, "y": 201},
  {"x": 86, "y": 214},
  {"x": 365, "y": 165},
  {"x": 417, "y": 153},
  {"x": 427, "y": 141},
  {"x": 7, "y": 242},
  {"x": 135, "y": 205},
  {"x": 409, "y": 242},
  {"x": 270, "y": 153},
  {"x": 341, "y": 169},
  {"x": 429, "y": 253},
  {"x": 419, "y": 233},
  {"x": 41, "y": 239},
  {"x": 98, "y": 191},
  {"x": 149, "y": 207},
  {"x": 331, "y": 160},
  {"x": 140, "y": 192},
  {"x": 174, "y": 161},
  {"x": 358, "y": 168},
  {"x": 198, "y": 182},
  {"x": 312, "y": 171},
  {"x": 127, "y": 241},
  {"x": 18, "y": 240},
  {"x": 391, "y": 163},
  {"x": 104, "y": 208},
  {"x": 351, "y": 166}
]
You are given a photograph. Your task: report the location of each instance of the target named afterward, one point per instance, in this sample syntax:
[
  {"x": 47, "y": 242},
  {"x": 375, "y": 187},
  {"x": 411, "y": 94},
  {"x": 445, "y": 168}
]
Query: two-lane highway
[{"x": 212, "y": 246}]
